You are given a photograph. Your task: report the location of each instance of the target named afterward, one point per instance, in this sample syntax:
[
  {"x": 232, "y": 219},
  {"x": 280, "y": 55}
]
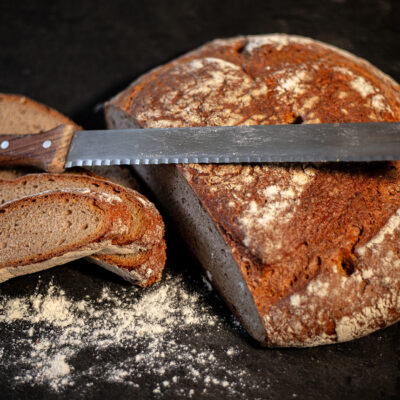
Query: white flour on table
[{"x": 56, "y": 328}]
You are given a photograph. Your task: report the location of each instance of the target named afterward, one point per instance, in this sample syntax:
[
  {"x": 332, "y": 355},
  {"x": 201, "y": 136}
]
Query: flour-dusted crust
[
  {"x": 261, "y": 79},
  {"x": 317, "y": 245}
]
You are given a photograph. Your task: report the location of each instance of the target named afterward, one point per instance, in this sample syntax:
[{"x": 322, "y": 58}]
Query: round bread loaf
[{"x": 317, "y": 245}]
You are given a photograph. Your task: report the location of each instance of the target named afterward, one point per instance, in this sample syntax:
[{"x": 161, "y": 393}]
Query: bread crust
[
  {"x": 297, "y": 232},
  {"x": 142, "y": 269}
]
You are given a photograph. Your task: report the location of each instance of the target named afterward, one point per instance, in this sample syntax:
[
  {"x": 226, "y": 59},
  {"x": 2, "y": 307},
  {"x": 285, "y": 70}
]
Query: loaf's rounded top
[{"x": 265, "y": 79}]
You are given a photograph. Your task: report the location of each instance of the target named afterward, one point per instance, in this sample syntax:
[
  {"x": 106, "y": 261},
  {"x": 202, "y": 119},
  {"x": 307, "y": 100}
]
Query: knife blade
[{"x": 63, "y": 148}]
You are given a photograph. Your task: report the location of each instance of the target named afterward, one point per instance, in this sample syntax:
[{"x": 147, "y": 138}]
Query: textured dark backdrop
[{"x": 73, "y": 55}]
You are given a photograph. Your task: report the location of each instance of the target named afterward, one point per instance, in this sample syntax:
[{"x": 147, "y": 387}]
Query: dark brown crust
[
  {"x": 148, "y": 264},
  {"x": 301, "y": 234}
]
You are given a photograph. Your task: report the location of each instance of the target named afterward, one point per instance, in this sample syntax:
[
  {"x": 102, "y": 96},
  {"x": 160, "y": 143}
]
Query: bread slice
[
  {"x": 27, "y": 247},
  {"x": 20, "y": 115},
  {"x": 142, "y": 233},
  {"x": 303, "y": 254}
]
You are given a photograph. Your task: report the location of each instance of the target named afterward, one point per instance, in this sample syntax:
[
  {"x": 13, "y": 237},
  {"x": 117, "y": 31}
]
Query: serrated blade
[{"x": 239, "y": 144}]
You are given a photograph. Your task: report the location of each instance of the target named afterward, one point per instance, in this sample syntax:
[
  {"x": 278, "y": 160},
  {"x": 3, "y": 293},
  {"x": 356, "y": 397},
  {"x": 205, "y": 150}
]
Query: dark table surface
[{"x": 75, "y": 55}]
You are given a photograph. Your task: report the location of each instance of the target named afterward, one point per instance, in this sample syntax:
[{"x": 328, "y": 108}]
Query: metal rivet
[
  {"x": 4, "y": 144},
  {"x": 46, "y": 144}
]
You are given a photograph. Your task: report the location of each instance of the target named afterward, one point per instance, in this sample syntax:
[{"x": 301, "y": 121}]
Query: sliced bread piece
[
  {"x": 36, "y": 230},
  {"x": 19, "y": 114},
  {"x": 143, "y": 232}
]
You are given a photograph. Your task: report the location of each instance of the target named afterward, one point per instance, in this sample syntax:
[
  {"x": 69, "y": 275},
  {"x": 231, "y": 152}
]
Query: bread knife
[{"x": 63, "y": 147}]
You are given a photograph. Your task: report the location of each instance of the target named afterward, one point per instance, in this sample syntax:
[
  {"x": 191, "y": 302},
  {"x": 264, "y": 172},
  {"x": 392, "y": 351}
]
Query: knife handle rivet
[
  {"x": 4, "y": 144},
  {"x": 46, "y": 144}
]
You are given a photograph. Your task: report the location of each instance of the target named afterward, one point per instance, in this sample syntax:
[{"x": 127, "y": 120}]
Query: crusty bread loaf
[
  {"x": 36, "y": 230},
  {"x": 304, "y": 254},
  {"x": 19, "y": 114}
]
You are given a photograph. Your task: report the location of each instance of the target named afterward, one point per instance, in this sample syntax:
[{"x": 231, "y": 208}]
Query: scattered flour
[
  {"x": 156, "y": 335},
  {"x": 232, "y": 351}
]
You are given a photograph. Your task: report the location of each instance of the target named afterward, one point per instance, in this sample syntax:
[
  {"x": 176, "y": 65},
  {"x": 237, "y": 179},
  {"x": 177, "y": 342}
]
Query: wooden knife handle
[{"x": 46, "y": 150}]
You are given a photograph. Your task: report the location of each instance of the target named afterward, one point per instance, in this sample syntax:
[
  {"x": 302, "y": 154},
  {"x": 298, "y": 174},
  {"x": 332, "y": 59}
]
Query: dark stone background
[{"x": 74, "y": 55}]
